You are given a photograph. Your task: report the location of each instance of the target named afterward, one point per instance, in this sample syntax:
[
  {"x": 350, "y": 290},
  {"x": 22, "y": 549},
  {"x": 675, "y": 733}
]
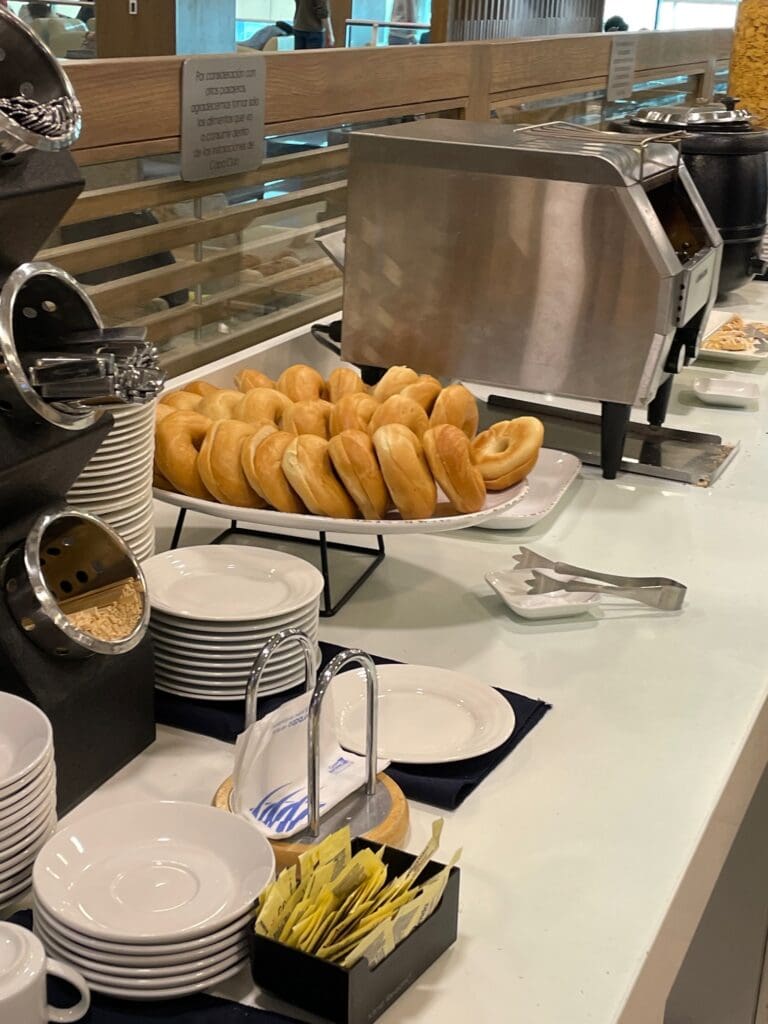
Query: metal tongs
[{"x": 656, "y": 591}]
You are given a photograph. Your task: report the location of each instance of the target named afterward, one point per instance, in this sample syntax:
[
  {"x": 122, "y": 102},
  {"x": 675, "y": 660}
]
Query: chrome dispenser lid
[{"x": 721, "y": 117}]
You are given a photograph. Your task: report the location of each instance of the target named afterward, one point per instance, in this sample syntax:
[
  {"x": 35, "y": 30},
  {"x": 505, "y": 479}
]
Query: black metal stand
[
  {"x": 657, "y": 410},
  {"x": 329, "y": 608},
  {"x": 613, "y": 434}
]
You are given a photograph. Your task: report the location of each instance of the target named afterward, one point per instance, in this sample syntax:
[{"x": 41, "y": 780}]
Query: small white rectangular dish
[
  {"x": 553, "y": 475},
  {"x": 512, "y": 588},
  {"x": 725, "y": 391}
]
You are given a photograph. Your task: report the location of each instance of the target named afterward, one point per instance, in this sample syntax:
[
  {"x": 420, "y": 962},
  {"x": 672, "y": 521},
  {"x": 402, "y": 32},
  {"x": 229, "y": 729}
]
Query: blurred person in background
[
  {"x": 405, "y": 11},
  {"x": 616, "y": 24},
  {"x": 312, "y": 28}
]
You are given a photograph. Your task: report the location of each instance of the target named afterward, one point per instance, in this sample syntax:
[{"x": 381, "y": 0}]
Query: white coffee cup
[{"x": 23, "y": 970}]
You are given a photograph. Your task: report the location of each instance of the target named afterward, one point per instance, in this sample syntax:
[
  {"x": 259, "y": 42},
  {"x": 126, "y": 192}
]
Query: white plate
[
  {"x": 510, "y": 585},
  {"x": 97, "y": 506},
  {"x": 220, "y": 632},
  {"x": 426, "y": 715},
  {"x": 223, "y": 672},
  {"x": 120, "y": 952},
  {"x": 443, "y": 520},
  {"x": 26, "y": 742},
  {"x": 166, "y": 993},
  {"x": 42, "y": 790},
  {"x": 726, "y": 391},
  {"x": 21, "y": 861},
  {"x": 716, "y": 320},
  {"x": 547, "y": 484},
  {"x": 228, "y": 657},
  {"x": 223, "y": 693},
  {"x": 150, "y": 872},
  {"x": 24, "y": 832},
  {"x": 126, "y": 973},
  {"x": 230, "y": 583},
  {"x": 231, "y": 683}
]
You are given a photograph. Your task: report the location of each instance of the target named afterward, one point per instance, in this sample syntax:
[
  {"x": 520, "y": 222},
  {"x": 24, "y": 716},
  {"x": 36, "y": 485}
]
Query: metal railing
[{"x": 375, "y": 26}]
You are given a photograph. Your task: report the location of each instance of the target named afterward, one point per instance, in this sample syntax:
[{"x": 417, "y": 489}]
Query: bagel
[
  {"x": 308, "y": 417},
  {"x": 182, "y": 400},
  {"x": 161, "y": 411},
  {"x": 178, "y": 439},
  {"x": 394, "y": 380},
  {"x": 309, "y": 470},
  {"x": 449, "y": 457},
  {"x": 405, "y": 471},
  {"x": 344, "y": 381},
  {"x": 456, "y": 405},
  {"x": 424, "y": 391},
  {"x": 200, "y": 387},
  {"x": 159, "y": 481},
  {"x": 219, "y": 405},
  {"x": 300, "y": 383},
  {"x": 354, "y": 459},
  {"x": 221, "y": 467},
  {"x": 353, "y": 412},
  {"x": 261, "y": 404},
  {"x": 507, "y": 452},
  {"x": 400, "y": 410},
  {"x": 262, "y": 461},
  {"x": 246, "y": 380}
]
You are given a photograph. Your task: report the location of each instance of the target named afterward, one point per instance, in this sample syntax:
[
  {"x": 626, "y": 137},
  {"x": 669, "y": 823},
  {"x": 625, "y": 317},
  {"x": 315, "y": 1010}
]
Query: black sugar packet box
[{"x": 359, "y": 994}]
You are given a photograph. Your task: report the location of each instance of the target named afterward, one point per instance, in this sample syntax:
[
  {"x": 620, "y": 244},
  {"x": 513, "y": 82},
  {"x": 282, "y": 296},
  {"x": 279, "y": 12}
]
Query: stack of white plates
[
  {"x": 27, "y": 792},
  {"x": 117, "y": 482},
  {"x": 151, "y": 900},
  {"x": 215, "y": 607}
]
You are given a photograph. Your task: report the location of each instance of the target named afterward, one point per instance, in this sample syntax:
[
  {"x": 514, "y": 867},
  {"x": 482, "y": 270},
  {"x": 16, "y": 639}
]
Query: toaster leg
[
  {"x": 613, "y": 434},
  {"x": 657, "y": 409}
]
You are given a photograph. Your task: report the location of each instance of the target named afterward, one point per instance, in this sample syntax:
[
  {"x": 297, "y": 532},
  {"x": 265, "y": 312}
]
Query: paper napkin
[{"x": 270, "y": 787}]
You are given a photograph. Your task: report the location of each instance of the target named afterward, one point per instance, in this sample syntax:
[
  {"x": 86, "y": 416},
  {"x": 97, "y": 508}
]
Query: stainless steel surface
[
  {"x": 665, "y": 599},
  {"x": 45, "y": 315},
  {"x": 70, "y": 559},
  {"x": 332, "y": 669},
  {"x": 281, "y": 639},
  {"x": 657, "y": 591},
  {"x": 548, "y": 259},
  {"x": 687, "y": 456},
  {"x": 29, "y": 70}
]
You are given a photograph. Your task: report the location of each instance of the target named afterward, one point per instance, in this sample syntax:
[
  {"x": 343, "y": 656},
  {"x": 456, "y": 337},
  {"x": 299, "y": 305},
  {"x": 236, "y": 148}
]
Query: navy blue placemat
[
  {"x": 197, "y": 1009},
  {"x": 440, "y": 785}
]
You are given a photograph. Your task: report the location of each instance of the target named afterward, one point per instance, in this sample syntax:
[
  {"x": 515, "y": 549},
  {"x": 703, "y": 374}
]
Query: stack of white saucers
[
  {"x": 215, "y": 607},
  {"x": 117, "y": 482},
  {"x": 27, "y": 792},
  {"x": 151, "y": 900}
]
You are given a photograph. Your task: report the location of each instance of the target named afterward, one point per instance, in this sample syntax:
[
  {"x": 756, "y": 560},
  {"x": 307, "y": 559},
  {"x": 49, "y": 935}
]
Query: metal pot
[
  {"x": 38, "y": 304},
  {"x": 726, "y": 157},
  {"x": 70, "y": 558},
  {"x": 29, "y": 69}
]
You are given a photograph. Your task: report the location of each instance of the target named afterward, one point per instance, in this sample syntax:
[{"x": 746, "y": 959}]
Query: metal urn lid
[{"x": 722, "y": 116}]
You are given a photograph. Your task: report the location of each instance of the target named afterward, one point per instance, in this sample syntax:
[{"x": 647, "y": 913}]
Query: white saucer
[
  {"x": 26, "y": 742},
  {"x": 510, "y": 585},
  {"x": 150, "y": 872},
  {"x": 230, "y": 583},
  {"x": 426, "y": 715},
  {"x": 726, "y": 391},
  {"x": 158, "y": 954}
]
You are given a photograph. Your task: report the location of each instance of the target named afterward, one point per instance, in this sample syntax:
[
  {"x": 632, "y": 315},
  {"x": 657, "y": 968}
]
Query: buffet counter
[{"x": 590, "y": 853}]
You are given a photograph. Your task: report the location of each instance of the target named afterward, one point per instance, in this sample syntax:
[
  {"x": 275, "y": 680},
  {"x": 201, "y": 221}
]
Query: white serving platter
[
  {"x": 547, "y": 485},
  {"x": 444, "y": 520},
  {"x": 716, "y": 320}
]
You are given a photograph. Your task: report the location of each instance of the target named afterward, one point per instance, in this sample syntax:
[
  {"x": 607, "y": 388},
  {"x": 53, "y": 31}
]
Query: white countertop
[{"x": 589, "y": 854}]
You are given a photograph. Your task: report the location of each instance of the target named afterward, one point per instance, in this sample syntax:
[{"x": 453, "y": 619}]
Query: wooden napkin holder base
[{"x": 359, "y": 994}]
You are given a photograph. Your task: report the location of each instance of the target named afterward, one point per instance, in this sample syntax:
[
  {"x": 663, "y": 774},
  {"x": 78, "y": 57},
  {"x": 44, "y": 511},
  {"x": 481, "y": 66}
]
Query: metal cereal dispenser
[{"x": 73, "y": 610}]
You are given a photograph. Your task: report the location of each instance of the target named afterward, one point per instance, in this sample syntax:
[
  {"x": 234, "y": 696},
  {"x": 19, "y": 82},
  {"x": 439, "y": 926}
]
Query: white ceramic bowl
[
  {"x": 26, "y": 741},
  {"x": 736, "y": 394},
  {"x": 152, "y": 872},
  {"x": 510, "y": 585}
]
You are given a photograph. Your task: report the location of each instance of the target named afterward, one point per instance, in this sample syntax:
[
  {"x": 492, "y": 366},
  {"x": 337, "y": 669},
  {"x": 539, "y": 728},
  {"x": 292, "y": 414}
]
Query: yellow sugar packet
[
  {"x": 404, "y": 882},
  {"x": 275, "y": 903},
  {"x": 374, "y": 947},
  {"x": 334, "y": 849},
  {"x": 359, "y": 902},
  {"x": 409, "y": 917},
  {"x": 363, "y": 865},
  {"x": 322, "y": 914}
]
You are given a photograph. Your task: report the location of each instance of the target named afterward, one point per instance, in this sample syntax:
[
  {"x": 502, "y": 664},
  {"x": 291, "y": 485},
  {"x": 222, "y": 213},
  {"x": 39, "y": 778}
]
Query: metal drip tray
[{"x": 681, "y": 455}]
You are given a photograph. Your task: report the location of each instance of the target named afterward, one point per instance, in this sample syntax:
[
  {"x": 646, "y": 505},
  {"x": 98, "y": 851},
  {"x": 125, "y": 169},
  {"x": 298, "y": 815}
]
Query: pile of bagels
[{"x": 336, "y": 447}]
